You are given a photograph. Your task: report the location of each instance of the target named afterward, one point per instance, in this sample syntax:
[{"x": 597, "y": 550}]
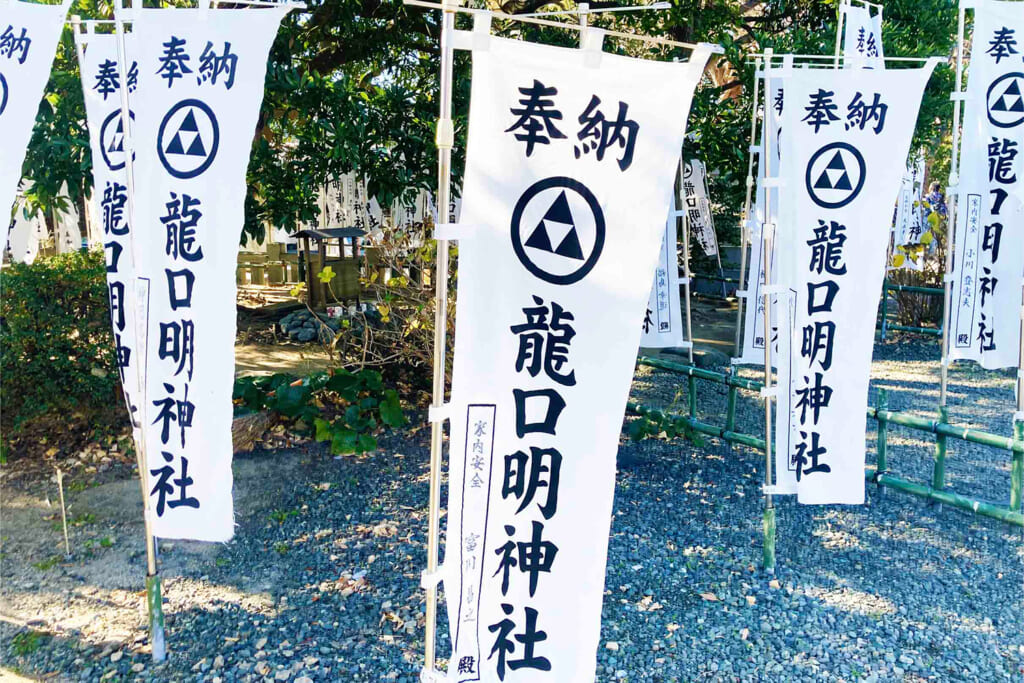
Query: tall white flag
[
  {"x": 844, "y": 128},
  {"x": 101, "y": 85},
  {"x": 698, "y": 206},
  {"x": 984, "y": 321},
  {"x": 909, "y": 222},
  {"x": 571, "y": 162},
  {"x": 862, "y": 42},
  {"x": 28, "y": 42},
  {"x": 200, "y": 85},
  {"x": 663, "y": 317}
]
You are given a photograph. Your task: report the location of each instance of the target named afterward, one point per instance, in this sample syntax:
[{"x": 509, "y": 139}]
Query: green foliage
[
  {"x": 347, "y": 409},
  {"x": 47, "y": 564},
  {"x": 56, "y": 347},
  {"x": 26, "y": 642},
  {"x": 665, "y": 427}
]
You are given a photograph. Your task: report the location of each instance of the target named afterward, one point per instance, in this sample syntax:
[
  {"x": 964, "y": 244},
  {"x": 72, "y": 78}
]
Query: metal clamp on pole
[
  {"x": 445, "y": 133},
  {"x": 432, "y": 676},
  {"x": 741, "y": 293},
  {"x": 592, "y": 44},
  {"x": 430, "y": 579},
  {"x": 439, "y": 413},
  {"x": 453, "y": 231}
]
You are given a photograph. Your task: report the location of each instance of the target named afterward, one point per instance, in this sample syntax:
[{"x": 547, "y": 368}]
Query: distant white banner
[
  {"x": 663, "y": 324},
  {"x": 984, "y": 321},
  {"x": 909, "y": 222},
  {"x": 28, "y": 42},
  {"x": 753, "y": 320},
  {"x": 862, "y": 42},
  {"x": 200, "y": 84},
  {"x": 698, "y": 206},
  {"x": 101, "y": 85},
  {"x": 844, "y": 128},
  {"x": 571, "y": 164}
]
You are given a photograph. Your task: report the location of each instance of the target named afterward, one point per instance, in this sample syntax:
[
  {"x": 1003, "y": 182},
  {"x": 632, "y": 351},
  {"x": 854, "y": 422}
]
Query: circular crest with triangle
[
  {"x": 558, "y": 230},
  {"x": 188, "y": 139},
  {"x": 1005, "y": 100},
  {"x": 835, "y": 175},
  {"x": 112, "y": 140}
]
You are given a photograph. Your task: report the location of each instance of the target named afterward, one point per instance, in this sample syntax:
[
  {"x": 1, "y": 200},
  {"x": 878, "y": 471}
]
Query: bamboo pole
[
  {"x": 63, "y": 513},
  {"x": 898, "y": 418},
  {"x": 1017, "y": 467},
  {"x": 445, "y": 141},
  {"x": 154, "y": 602},
  {"x": 881, "y": 458},
  {"x": 983, "y": 508}
]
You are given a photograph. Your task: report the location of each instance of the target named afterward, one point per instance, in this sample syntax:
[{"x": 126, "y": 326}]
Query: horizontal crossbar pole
[
  {"x": 897, "y": 418},
  {"x": 948, "y": 498}
]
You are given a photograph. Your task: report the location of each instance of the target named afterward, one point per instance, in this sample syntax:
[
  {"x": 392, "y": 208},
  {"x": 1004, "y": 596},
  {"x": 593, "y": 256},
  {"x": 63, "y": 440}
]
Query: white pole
[
  {"x": 839, "y": 30},
  {"x": 445, "y": 141},
  {"x": 745, "y": 216},
  {"x": 954, "y": 181},
  {"x": 686, "y": 266},
  {"x": 766, "y": 249},
  {"x": 154, "y": 599}
]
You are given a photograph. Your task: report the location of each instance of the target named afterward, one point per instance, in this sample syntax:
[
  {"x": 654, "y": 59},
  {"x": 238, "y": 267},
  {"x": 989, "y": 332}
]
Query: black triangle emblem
[
  {"x": 176, "y": 147},
  {"x": 823, "y": 182},
  {"x": 196, "y": 149},
  {"x": 844, "y": 183},
  {"x": 837, "y": 163},
  {"x": 539, "y": 239},
  {"x": 570, "y": 246},
  {"x": 559, "y": 211},
  {"x": 189, "y": 124}
]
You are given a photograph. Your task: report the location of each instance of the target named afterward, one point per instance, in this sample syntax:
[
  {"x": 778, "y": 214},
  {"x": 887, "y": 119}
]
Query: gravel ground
[{"x": 321, "y": 582}]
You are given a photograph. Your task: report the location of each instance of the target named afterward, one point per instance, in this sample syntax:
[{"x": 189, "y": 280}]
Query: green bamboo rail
[
  {"x": 883, "y": 320},
  {"x": 941, "y": 427}
]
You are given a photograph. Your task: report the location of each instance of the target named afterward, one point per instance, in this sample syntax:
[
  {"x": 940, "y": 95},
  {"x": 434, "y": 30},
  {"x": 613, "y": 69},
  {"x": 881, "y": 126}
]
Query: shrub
[
  {"x": 56, "y": 346},
  {"x": 345, "y": 408}
]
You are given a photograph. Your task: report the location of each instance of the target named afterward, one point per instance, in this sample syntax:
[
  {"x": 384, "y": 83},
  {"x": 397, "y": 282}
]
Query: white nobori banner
[
  {"x": 571, "y": 161},
  {"x": 843, "y": 128},
  {"x": 101, "y": 85},
  {"x": 200, "y": 85},
  {"x": 698, "y": 206},
  {"x": 752, "y": 352},
  {"x": 862, "y": 42},
  {"x": 29, "y": 33},
  {"x": 984, "y": 319},
  {"x": 909, "y": 222},
  {"x": 663, "y": 318}
]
